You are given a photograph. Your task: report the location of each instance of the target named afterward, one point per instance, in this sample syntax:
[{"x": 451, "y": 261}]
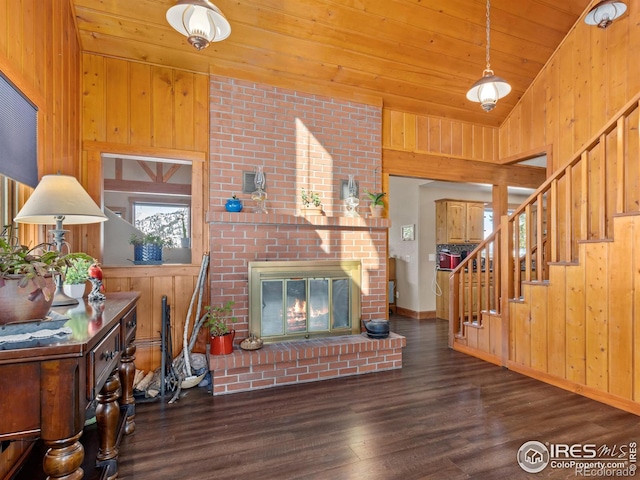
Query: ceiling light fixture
[
  {"x": 489, "y": 89},
  {"x": 200, "y": 21},
  {"x": 605, "y": 12}
]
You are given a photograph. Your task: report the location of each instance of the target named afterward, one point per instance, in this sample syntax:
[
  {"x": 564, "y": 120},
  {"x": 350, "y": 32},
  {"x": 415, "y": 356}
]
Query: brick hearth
[{"x": 304, "y": 361}]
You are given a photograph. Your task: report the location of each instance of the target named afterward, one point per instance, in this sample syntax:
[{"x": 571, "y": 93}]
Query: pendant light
[
  {"x": 200, "y": 21},
  {"x": 489, "y": 89},
  {"x": 605, "y": 12}
]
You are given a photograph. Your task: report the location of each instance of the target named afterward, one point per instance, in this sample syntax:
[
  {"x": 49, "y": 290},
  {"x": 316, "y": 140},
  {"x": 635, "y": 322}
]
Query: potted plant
[
  {"x": 147, "y": 249},
  {"x": 377, "y": 202},
  {"x": 217, "y": 320},
  {"x": 27, "y": 279},
  {"x": 76, "y": 276},
  {"x": 234, "y": 204},
  {"x": 311, "y": 203}
]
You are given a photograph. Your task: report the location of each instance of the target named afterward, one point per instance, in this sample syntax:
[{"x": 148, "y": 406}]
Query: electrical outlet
[
  {"x": 432, "y": 257},
  {"x": 397, "y": 294}
]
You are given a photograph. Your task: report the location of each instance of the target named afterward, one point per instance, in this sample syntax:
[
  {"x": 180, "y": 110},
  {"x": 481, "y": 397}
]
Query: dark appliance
[{"x": 448, "y": 260}]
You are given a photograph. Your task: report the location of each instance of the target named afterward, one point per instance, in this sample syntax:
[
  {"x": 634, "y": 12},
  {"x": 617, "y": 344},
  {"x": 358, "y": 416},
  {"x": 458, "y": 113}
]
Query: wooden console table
[{"x": 46, "y": 387}]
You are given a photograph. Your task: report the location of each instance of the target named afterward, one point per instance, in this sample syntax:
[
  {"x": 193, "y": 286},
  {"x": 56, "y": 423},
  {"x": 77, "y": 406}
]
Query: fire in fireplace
[{"x": 304, "y": 299}]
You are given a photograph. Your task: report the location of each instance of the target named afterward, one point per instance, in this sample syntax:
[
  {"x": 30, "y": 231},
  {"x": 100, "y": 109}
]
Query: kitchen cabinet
[
  {"x": 442, "y": 300},
  {"x": 459, "y": 221}
]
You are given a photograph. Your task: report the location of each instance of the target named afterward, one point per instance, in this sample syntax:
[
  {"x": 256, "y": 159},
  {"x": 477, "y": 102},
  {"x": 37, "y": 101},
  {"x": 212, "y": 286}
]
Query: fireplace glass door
[
  {"x": 300, "y": 306},
  {"x": 297, "y": 300}
]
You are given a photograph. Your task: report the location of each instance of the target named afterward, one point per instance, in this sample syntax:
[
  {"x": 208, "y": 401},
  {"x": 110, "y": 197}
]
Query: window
[
  {"x": 144, "y": 195},
  {"x": 168, "y": 221}
]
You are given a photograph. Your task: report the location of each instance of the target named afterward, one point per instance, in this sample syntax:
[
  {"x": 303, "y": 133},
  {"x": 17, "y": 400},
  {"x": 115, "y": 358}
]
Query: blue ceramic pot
[{"x": 233, "y": 205}]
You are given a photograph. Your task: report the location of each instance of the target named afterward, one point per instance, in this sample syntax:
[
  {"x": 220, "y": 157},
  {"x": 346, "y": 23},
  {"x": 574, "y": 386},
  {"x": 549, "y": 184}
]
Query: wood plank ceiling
[{"x": 416, "y": 55}]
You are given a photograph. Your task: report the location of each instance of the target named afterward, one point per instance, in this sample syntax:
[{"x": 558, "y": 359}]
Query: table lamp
[{"x": 60, "y": 199}]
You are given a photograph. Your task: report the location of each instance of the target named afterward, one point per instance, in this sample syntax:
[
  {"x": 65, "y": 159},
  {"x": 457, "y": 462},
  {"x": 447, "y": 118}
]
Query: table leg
[
  {"x": 63, "y": 458},
  {"x": 107, "y": 418},
  {"x": 127, "y": 371}
]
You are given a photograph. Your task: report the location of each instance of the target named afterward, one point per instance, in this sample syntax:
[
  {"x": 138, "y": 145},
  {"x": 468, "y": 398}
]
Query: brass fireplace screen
[{"x": 304, "y": 299}]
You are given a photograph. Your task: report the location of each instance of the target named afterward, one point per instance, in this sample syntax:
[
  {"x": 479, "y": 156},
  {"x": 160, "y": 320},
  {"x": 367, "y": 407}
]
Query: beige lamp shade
[{"x": 60, "y": 196}]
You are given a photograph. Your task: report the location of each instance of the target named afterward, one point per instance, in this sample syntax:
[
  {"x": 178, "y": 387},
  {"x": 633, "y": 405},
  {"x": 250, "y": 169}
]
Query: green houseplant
[
  {"x": 76, "y": 276},
  {"x": 217, "y": 321},
  {"x": 311, "y": 202},
  {"x": 27, "y": 279},
  {"x": 377, "y": 202},
  {"x": 147, "y": 248}
]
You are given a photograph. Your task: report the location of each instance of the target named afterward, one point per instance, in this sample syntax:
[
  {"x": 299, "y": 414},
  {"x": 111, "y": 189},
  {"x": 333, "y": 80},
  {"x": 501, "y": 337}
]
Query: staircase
[{"x": 554, "y": 293}]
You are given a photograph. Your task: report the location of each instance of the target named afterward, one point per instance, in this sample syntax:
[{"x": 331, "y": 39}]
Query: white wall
[{"x": 413, "y": 201}]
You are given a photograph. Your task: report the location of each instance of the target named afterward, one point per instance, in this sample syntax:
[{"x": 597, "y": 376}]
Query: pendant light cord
[{"x": 488, "y": 34}]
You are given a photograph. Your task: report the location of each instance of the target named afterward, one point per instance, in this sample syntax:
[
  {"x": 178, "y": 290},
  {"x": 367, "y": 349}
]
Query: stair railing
[{"x": 577, "y": 203}]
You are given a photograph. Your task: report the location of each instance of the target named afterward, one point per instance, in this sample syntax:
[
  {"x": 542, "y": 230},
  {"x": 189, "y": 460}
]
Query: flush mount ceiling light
[
  {"x": 489, "y": 89},
  {"x": 604, "y": 13},
  {"x": 200, "y": 21}
]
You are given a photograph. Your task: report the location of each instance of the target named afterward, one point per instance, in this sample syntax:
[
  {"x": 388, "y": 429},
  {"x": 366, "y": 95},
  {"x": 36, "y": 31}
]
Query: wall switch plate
[{"x": 432, "y": 257}]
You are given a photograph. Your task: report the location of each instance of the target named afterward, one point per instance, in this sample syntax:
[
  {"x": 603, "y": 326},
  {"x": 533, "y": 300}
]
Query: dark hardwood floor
[{"x": 443, "y": 416}]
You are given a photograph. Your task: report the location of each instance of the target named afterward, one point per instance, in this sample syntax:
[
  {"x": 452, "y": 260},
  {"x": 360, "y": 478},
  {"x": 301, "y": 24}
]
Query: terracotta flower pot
[
  {"x": 223, "y": 344},
  {"x": 21, "y": 304}
]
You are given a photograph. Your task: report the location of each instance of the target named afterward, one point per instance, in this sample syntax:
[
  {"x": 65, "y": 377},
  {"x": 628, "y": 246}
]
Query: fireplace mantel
[{"x": 317, "y": 221}]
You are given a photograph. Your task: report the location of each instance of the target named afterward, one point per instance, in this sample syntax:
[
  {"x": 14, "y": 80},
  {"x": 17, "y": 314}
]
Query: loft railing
[{"x": 577, "y": 203}]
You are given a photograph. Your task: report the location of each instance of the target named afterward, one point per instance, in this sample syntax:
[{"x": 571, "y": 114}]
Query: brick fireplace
[{"x": 302, "y": 141}]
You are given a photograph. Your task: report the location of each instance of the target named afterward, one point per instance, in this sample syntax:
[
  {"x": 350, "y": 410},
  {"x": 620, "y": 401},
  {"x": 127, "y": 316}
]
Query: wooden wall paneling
[
  {"x": 201, "y": 113},
  {"x": 610, "y": 183},
  {"x": 598, "y": 93},
  {"x": 551, "y": 80},
  {"x": 422, "y": 133},
  {"x": 4, "y": 28},
  {"x": 28, "y": 38},
  {"x": 635, "y": 315},
  {"x": 575, "y": 321},
  {"x": 446, "y": 139},
  {"x": 484, "y": 333},
  {"x": 582, "y": 67},
  {"x": 632, "y": 67},
  {"x": 396, "y": 129},
  {"x": 456, "y": 139},
  {"x": 140, "y": 121},
  {"x": 477, "y": 137},
  {"x": 467, "y": 140},
  {"x": 387, "y": 136},
  {"x": 594, "y": 201},
  {"x": 616, "y": 47},
  {"x": 632, "y": 166},
  {"x": 515, "y": 127},
  {"x": 410, "y": 131},
  {"x": 495, "y": 335},
  {"x": 435, "y": 135},
  {"x": 538, "y": 117},
  {"x": 163, "y": 107},
  {"x": 94, "y": 121},
  {"x": 522, "y": 332},
  {"x": 183, "y": 107},
  {"x": 566, "y": 100},
  {"x": 620, "y": 293},
  {"x": 526, "y": 118},
  {"x": 147, "y": 310},
  {"x": 504, "y": 138},
  {"x": 597, "y": 339},
  {"x": 556, "y": 321},
  {"x": 117, "y": 100},
  {"x": 538, "y": 326},
  {"x": 199, "y": 232}
]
